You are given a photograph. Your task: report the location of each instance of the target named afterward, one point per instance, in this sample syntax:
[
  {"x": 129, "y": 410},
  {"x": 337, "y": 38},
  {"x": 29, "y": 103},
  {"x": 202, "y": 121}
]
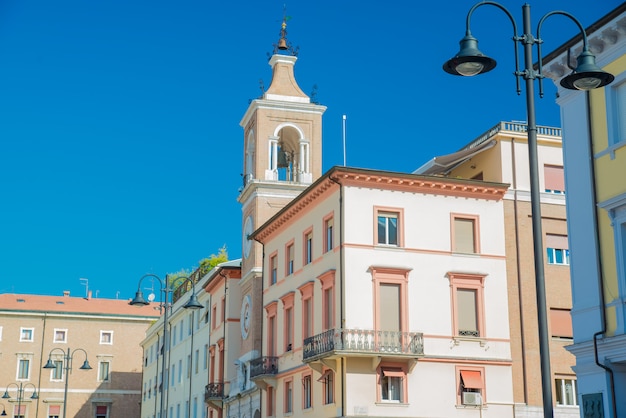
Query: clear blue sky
[{"x": 120, "y": 144}]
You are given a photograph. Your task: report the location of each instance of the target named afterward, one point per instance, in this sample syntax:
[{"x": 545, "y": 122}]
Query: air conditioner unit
[{"x": 472, "y": 398}]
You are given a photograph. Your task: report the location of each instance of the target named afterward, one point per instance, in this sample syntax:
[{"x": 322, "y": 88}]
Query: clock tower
[{"x": 282, "y": 157}]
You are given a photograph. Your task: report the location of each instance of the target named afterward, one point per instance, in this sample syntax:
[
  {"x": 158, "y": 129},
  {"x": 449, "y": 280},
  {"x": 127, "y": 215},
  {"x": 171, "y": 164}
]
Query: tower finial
[{"x": 283, "y": 44}]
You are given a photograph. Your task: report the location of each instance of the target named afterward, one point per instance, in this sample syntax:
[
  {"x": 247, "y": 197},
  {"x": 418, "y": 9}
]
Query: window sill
[
  {"x": 457, "y": 340},
  {"x": 392, "y": 403},
  {"x": 462, "y": 406}
]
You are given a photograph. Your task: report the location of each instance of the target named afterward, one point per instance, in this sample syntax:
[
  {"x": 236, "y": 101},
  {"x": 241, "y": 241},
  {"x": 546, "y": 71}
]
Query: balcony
[
  {"x": 214, "y": 391},
  {"x": 263, "y": 371},
  {"x": 342, "y": 341}
]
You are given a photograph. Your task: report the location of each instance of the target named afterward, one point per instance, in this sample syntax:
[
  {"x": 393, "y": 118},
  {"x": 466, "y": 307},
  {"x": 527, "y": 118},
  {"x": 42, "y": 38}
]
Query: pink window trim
[
  {"x": 483, "y": 389},
  {"x": 391, "y": 276},
  {"x": 310, "y": 376},
  {"x": 287, "y": 246},
  {"x": 325, "y": 219},
  {"x": 304, "y": 246},
  {"x": 328, "y": 283},
  {"x": 472, "y": 282},
  {"x": 476, "y": 219},
  {"x": 288, "y": 302},
  {"x": 554, "y": 178},
  {"x": 306, "y": 291},
  {"x": 273, "y": 262},
  {"x": 385, "y": 209},
  {"x": 387, "y": 369}
]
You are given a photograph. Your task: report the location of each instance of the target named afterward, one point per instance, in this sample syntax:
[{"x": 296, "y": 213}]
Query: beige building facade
[
  {"x": 501, "y": 154},
  {"x": 105, "y": 332}
]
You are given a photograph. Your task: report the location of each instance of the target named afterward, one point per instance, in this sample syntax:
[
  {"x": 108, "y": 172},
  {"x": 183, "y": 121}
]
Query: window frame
[
  {"x": 476, "y": 231},
  {"x": 557, "y": 246},
  {"x": 393, "y": 212},
  {"x": 614, "y": 119},
  {"x": 64, "y": 333},
  {"x": 327, "y": 280},
  {"x": 272, "y": 334},
  {"x": 290, "y": 254},
  {"x": 288, "y": 321},
  {"x": 307, "y": 390},
  {"x": 29, "y": 330},
  {"x": 385, "y": 370},
  {"x": 19, "y": 375},
  {"x": 328, "y": 384},
  {"x": 102, "y": 369},
  {"x": 58, "y": 369},
  {"x": 560, "y": 391},
  {"x": 391, "y": 276},
  {"x": 288, "y": 396},
  {"x": 470, "y": 282},
  {"x": 307, "y": 246},
  {"x": 460, "y": 385},
  {"x": 329, "y": 232},
  {"x": 308, "y": 316},
  {"x": 550, "y": 171},
  {"x": 102, "y": 338},
  {"x": 273, "y": 268}
]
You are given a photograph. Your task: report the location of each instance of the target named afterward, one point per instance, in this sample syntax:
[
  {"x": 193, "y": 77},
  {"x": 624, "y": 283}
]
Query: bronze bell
[{"x": 282, "y": 44}]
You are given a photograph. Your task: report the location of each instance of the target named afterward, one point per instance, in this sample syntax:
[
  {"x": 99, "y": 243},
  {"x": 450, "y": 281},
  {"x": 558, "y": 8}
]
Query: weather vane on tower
[{"x": 283, "y": 45}]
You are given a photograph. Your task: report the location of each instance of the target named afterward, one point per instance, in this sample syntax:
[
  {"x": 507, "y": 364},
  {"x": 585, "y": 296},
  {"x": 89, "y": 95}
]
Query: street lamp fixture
[
  {"x": 4, "y": 411},
  {"x": 166, "y": 291},
  {"x": 67, "y": 365},
  {"x": 587, "y": 75},
  {"x": 20, "y": 395}
]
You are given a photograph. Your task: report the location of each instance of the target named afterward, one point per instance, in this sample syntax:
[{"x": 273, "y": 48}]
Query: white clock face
[
  {"x": 245, "y": 316},
  {"x": 248, "y": 228}
]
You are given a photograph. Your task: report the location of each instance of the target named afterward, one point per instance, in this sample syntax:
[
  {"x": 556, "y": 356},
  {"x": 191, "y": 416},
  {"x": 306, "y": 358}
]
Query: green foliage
[
  {"x": 207, "y": 264},
  {"x": 174, "y": 280}
]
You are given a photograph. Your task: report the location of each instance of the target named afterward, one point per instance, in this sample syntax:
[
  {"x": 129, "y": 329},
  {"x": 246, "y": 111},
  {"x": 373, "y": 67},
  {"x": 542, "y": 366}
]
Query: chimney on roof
[
  {"x": 89, "y": 295},
  {"x": 66, "y": 293}
]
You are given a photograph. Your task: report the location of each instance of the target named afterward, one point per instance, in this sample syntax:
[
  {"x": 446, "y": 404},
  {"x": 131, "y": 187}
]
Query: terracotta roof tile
[{"x": 74, "y": 305}]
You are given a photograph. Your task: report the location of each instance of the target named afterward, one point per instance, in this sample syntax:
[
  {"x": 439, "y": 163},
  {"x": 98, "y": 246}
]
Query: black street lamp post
[
  {"x": 166, "y": 292},
  {"x": 587, "y": 75},
  {"x": 20, "y": 395},
  {"x": 67, "y": 366}
]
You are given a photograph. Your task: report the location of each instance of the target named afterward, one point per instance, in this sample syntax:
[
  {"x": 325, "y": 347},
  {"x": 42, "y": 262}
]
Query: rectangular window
[
  {"x": 197, "y": 362},
  {"x": 557, "y": 249},
  {"x": 387, "y": 228},
  {"x": 289, "y": 256},
  {"x": 19, "y": 411},
  {"x": 566, "y": 392},
  {"x": 306, "y": 391},
  {"x": 23, "y": 369},
  {"x": 561, "y": 323},
  {"x": 57, "y": 372},
  {"x": 270, "y": 401},
  {"x": 26, "y": 334},
  {"x": 464, "y": 235},
  {"x": 327, "y": 380},
  {"x": 328, "y": 299},
  {"x": 392, "y": 384},
  {"x": 173, "y": 380},
  {"x": 471, "y": 386},
  {"x": 467, "y": 304},
  {"x": 60, "y": 335},
  {"x": 616, "y": 109},
  {"x": 104, "y": 371},
  {"x": 308, "y": 247},
  {"x": 467, "y": 318},
  {"x": 289, "y": 396},
  {"x": 106, "y": 337},
  {"x": 328, "y": 236},
  {"x": 180, "y": 371},
  {"x": 273, "y": 269},
  {"x": 54, "y": 411},
  {"x": 288, "y": 329},
  {"x": 174, "y": 336},
  {"x": 205, "y": 359},
  {"x": 554, "y": 179},
  {"x": 271, "y": 335},
  {"x": 307, "y": 317},
  {"x": 188, "y": 366},
  {"x": 102, "y": 411}
]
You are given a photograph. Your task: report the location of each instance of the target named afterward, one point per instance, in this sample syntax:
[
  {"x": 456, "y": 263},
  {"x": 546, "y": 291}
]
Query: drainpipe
[
  {"x": 599, "y": 262},
  {"x": 224, "y": 336},
  {"x": 341, "y": 288}
]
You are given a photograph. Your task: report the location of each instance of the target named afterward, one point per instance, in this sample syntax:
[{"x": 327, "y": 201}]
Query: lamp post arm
[
  {"x": 515, "y": 38},
  {"x": 539, "y": 42}
]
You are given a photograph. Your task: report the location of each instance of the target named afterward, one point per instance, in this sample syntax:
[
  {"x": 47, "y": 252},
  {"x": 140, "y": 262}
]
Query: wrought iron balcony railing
[
  {"x": 214, "y": 391},
  {"x": 363, "y": 341},
  {"x": 263, "y": 366}
]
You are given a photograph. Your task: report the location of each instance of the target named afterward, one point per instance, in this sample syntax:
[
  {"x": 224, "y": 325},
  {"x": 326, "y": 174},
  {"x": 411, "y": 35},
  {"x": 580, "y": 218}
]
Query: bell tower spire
[{"x": 282, "y": 145}]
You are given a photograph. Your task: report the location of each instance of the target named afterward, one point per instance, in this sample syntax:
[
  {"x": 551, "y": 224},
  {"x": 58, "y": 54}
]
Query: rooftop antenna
[
  {"x": 85, "y": 282},
  {"x": 344, "y": 140}
]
